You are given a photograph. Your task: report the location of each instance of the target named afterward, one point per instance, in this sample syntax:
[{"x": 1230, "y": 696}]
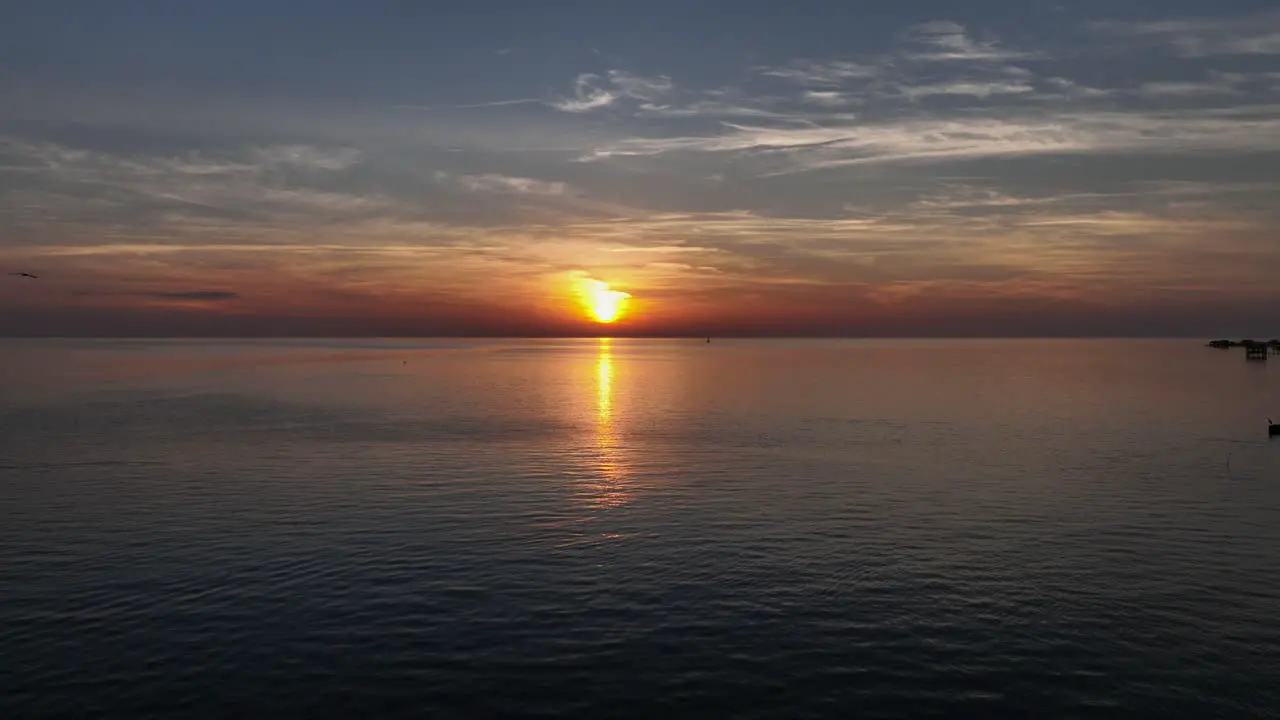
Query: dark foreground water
[{"x": 638, "y": 529}]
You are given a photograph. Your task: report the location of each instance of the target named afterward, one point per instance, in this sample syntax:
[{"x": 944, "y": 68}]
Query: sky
[{"x": 918, "y": 168}]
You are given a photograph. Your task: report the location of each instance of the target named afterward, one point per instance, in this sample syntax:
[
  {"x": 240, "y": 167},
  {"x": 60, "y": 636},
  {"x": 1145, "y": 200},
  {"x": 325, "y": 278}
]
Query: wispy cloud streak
[{"x": 1204, "y": 36}]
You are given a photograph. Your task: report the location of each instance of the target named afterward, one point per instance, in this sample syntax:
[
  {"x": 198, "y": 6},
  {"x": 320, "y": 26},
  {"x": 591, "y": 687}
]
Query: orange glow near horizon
[{"x": 601, "y": 303}]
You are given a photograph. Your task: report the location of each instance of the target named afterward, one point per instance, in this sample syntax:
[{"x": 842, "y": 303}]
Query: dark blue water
[{"x": 638, "y": 529}]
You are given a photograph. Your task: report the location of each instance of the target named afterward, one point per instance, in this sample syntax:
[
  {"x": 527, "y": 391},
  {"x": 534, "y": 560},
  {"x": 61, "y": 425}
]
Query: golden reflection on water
[
  {"x": 604, "y": 385},
  {"x": 610, "y": 488}
]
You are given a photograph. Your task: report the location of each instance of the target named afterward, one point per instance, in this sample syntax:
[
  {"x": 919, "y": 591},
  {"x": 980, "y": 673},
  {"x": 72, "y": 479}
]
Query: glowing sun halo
[{"x": 603, "y": 304}]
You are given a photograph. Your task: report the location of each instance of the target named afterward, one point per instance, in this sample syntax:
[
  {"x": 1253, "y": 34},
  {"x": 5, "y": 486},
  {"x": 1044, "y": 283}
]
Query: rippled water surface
[{"x": 638, "y": 529}]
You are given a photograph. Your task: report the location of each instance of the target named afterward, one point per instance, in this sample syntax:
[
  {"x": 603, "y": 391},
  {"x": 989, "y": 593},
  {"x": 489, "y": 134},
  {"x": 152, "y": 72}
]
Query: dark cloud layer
[{"x": 204, "y": 295}]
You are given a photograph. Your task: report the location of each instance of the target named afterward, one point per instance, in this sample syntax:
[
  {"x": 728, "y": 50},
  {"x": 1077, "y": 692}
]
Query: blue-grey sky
[{"x": 910, "y": 168}]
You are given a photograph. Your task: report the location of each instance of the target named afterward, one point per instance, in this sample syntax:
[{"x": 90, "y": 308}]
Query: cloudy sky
[{"x": 913, "y": 168}]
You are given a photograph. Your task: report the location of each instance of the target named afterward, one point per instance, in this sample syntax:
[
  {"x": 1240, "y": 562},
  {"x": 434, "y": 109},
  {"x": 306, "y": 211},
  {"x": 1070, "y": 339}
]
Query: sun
[
  {"x": 602, "y": 304},
  {"x": 606, "y": 305}
]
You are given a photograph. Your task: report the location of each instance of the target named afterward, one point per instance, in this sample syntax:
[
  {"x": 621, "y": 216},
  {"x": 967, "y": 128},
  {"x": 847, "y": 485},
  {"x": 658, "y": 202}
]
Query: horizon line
[{"x": 621, "y": 337}]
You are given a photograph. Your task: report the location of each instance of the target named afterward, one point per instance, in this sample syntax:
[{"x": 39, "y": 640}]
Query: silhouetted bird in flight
[{"x": 27, "y": 275}]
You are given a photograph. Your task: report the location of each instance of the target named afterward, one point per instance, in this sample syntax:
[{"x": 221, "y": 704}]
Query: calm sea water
[{"x": 638, "y": 529}]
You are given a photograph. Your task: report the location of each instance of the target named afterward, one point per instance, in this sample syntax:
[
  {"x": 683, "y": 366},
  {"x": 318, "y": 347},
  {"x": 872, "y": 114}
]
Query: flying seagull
[{"x": 25, "y": 274}]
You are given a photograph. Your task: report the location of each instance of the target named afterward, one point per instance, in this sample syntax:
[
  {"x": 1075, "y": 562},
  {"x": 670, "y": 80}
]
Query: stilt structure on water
[{"x": 1252, "y": 348}]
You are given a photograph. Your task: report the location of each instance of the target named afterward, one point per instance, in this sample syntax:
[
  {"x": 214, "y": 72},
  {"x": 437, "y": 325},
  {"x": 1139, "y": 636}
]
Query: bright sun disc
[{"x": 604, "y": 305}]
